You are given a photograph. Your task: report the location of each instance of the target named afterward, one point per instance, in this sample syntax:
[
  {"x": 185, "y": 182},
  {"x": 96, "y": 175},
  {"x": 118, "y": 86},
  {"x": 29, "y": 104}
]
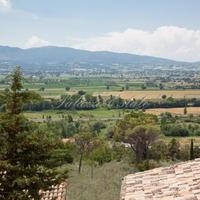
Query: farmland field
[
  {"x": 175, "y": 111},
  {"x": 139, "y": 94},
  {"x": 154, "y": 94}
]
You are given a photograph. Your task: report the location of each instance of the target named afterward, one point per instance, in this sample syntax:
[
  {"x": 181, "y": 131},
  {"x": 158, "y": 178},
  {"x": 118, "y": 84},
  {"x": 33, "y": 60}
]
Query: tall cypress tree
[
  {"x": 191, "y": 149},
  {"x": 27, "y": 158}
]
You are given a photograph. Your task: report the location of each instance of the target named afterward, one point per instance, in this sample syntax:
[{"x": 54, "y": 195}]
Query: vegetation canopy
[{"x": 28, "y": 153}]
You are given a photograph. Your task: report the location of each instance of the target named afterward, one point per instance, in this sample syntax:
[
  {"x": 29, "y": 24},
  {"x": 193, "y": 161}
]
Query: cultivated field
[
  {"x": 177, "y": 94},
  {"x": 175, "y": 111}
]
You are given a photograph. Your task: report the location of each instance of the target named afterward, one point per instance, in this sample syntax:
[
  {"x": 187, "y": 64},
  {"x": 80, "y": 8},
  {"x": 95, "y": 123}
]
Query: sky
[{"x": 162, "y": 28}]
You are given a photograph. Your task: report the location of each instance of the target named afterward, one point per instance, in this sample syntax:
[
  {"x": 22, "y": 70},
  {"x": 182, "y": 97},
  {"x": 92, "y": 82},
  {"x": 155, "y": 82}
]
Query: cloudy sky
[{"x": 164, "y": 28}]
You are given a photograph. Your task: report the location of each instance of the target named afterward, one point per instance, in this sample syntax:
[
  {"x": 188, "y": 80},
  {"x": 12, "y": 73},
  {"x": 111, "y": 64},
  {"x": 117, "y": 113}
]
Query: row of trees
[{"x": 81, "y": 101}]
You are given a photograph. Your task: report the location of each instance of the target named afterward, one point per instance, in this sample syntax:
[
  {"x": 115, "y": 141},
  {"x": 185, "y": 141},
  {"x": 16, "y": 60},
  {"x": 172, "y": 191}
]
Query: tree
[
  {"x": 131, "y": 121},
  {"x": 67, "y": 88},
  {"x": 175, "y": 130},
  {"x": 97, "y": 126},
  {"x": 185, "y": 110},
  {"x": 27, "y": 158},
  {"x": 166, "y": 118},
  {"x": 140, "y": 139},
  {"x": 81, "y": 92},
  {"x": 127, "y": 87},
  {"x": 174, "y": 149},
  {"x": 158, "y": 150},
  {"x": 161, "y": 87},
  {"x": 84, "y": 142},
  {"x": 102, "y": 153},
  {"x": 191, "y": 149},
  {"x": 91, "y": 99},
  {"x": 70, "y": 119},
  {"x": 100, "y": 99},
  {"x": 42, "y": 89},
  {"x": 164, "y": 96},
  {"x": 143, "y": 87}
]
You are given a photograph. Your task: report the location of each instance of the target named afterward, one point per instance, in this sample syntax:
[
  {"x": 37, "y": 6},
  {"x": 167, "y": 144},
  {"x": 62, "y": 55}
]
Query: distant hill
[{"x": 61, "y": 56}]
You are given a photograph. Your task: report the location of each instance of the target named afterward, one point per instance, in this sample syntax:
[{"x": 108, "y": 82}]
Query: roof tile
[{"x": 176, "y": 182}]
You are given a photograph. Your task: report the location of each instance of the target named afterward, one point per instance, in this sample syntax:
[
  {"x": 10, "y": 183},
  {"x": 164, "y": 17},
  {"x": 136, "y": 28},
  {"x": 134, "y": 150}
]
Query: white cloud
[
  {"x": 35, "y": 41},
  {"x": 166, "y": 41},
  {"x": 5, "y": 5}
]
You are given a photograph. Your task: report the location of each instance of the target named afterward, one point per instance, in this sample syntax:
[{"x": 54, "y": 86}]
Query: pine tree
[{"x": 27, "y": 158}]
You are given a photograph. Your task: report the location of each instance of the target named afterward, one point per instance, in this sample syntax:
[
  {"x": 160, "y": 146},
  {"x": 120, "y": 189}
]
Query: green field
[{"x": 97, "y": 114}]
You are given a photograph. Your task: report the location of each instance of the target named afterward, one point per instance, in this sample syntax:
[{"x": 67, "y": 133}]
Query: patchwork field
[
  {"x": 177, "y": 94},
  {"x": 175, "y": 111}
]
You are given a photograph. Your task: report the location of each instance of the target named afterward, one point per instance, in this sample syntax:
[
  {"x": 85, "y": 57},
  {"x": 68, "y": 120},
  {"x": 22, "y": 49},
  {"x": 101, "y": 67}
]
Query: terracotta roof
[
  {"x": 55, "y": 193},
  {"x": 176, "y": 182}
]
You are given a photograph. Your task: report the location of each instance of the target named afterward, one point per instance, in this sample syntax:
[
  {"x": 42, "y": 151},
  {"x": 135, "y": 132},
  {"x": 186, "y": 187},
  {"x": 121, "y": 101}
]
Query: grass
[
  {"x": 97, "y": 114},
  {"x": 105, "y": 184}
]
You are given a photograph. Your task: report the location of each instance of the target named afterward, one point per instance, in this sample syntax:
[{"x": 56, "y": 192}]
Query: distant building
[{"x": 176, "y": 182}]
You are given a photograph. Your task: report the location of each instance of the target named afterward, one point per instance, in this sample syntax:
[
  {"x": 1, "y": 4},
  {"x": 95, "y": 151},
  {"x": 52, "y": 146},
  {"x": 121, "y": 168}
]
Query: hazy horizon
[{"x": 160, "y": 28}]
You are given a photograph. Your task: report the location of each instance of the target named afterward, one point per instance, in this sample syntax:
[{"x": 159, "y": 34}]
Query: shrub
[
  {"x": 158, "y": 151},
  {"x": 175, "y": 131},
  {"x": 146, "y": 165}
]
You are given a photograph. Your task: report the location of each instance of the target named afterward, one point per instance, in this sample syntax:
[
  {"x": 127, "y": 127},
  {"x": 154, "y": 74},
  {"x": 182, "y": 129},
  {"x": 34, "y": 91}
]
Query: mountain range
[{"x": 63, "y": 56}]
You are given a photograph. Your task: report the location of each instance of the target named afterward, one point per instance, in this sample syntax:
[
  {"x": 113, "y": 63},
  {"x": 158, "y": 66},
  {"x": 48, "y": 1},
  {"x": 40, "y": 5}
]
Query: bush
[
  {"x": 175, "y": 131},
  {"x": 102, "y": 154},
  {"x": 185, "y": 152},
  {"x": 158, "y": 151},
  {"x": 174, "y": 149},
  {"x": 196, "y": 152},
  {"x": 147, "y": 164}
]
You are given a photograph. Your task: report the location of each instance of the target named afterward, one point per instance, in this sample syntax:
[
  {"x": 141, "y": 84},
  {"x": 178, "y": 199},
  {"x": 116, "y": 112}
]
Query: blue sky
[{"x": 166, "y": 28}]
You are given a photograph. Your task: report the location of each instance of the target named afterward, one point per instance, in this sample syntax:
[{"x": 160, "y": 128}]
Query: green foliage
[
  {"x": 184, "y": 152},
  {"x": 67, "y": 88},
  {"x": 27, "y": 158},
  {"x": 140, "y": 139},
  {"x": 85, "y": 144},
  {"x": 64, "y": 128},
  {"x": 81, "y": 92},
  {"x": 42, "y": 89},
  {"x": 102, "y": 154},
  {"x": 196, "y": 152},
  {"x": 147, "y": 165},
  {"x": 158, "y": 151},
  {"x": 166, "y": 118},
  {"x": 192, "y": 149},
  {"x": 91, "y": 99},
  {"x": 175, "y": 130},
  {"x": 143, "y": 87},
  {"x": 97, "y": 126},
  {"x": 161, "y": 86},
  {"x": 132, "y": 120},
  {"x": 174, "y": 149},
  {"x": 115, "y": 103}
]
